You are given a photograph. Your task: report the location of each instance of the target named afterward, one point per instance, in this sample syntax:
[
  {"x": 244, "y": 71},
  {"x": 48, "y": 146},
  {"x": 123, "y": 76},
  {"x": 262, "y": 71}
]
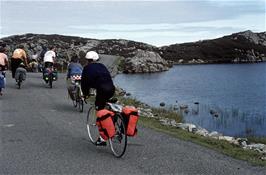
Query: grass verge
[{"x": 224, "y": 147}]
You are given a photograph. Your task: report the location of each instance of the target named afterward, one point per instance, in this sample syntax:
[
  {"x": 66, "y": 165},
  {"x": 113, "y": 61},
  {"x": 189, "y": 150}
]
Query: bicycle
[
  {"x": 118, "y": 143},
  {"x": 77, "y": 95},
  {"x": 49, "y": 76}
]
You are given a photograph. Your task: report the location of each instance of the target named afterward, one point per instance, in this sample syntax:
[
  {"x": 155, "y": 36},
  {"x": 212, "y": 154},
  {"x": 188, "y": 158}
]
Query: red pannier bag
[
  {"x": 105, "y": 123},
  {"x": 131, "y": 117}
]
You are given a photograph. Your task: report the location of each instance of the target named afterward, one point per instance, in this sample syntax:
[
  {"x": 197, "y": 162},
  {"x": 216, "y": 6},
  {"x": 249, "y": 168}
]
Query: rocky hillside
[
  {"x": 236, "y": 48},
  {"x": 68, "y": 45},
  {"x": 140, "y": 57}
]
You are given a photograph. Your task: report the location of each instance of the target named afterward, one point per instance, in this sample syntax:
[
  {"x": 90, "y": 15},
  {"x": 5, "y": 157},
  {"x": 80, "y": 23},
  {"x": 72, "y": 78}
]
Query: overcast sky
[{"x": 154, "y": 22}]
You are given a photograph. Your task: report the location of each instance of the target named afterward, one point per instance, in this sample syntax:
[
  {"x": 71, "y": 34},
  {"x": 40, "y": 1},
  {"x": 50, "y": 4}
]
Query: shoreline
[
  {"x": 215, "y": 63},
  {"x": 252, "y": 150}
]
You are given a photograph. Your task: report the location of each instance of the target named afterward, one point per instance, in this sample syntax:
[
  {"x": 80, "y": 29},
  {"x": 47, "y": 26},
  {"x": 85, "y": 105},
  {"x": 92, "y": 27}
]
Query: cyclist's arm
[
  {"x": 25, "y": 57},
  {"x": 85, "y": 83},
  {"x": 6, "y": 62},
  {"x": 54, "y": 55}
]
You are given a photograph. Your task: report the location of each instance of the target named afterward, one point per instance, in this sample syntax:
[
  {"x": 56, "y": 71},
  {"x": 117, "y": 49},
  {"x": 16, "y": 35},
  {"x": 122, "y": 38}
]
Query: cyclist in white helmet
[{"x": 96, "y": 75}]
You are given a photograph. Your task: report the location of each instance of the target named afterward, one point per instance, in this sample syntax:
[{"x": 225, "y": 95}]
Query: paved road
[{"x": 42, "y": 133}]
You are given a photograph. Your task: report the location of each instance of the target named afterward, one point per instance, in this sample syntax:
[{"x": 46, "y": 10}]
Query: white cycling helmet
[{"x": 91, "y": 55}]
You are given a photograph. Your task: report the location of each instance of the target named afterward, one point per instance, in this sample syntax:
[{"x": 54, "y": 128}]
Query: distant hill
[{"x": 236, "y": 48}]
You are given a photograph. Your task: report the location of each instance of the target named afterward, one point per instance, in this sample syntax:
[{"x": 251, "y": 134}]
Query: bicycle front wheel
[
  {"x": 91, "y": 125},
  {"x": 118, "y": 143}
]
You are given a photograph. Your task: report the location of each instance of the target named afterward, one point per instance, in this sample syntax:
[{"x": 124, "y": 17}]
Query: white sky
[{"x": 154, "y": 22}]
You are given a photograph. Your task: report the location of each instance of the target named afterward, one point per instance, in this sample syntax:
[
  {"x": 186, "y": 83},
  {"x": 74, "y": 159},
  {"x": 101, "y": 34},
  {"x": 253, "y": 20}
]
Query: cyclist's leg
[
  {"x": 102, "y": 96},
  {"x": 14, "y": 65}
]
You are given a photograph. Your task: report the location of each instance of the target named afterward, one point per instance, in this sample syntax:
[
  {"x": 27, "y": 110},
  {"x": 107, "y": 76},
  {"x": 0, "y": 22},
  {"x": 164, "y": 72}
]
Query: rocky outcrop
[
  {"x": 256, "y": 38},
  {"x": 145, "y": 62},
  {"x": 243, "y": 47}
]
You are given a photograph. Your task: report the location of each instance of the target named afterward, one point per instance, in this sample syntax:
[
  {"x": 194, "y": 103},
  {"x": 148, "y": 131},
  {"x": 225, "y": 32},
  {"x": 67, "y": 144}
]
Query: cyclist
[
  {"x": 49, "y": 57},
  {"x": 3, "y": 67},
  {"x": 19, "y": 56},
  {"x": 96, "y": 75},
  {"x": 74, "y": 71},
  {"x": 74, "y": 67}
]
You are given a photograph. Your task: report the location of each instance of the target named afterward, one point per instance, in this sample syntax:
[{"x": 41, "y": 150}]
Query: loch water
[{"x": 235, "y": 93}]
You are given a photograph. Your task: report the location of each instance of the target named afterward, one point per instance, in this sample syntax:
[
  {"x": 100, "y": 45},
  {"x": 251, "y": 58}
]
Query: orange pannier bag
[
  {"x": 105, "y": 123},
  {"x": 131, "y": 118}
]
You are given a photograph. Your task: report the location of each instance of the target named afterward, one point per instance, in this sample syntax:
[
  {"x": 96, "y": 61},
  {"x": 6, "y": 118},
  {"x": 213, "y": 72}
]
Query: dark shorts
[
  {"x": 14, "y": 65},
  {"x": 102, "y": 96},
  {"x": 48, "y": 64}
]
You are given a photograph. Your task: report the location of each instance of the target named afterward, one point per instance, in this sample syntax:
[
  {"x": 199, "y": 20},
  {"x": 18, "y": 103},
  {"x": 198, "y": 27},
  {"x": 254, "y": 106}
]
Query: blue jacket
[
  {"x": 74, "y": 69},
  {"x": 97, "y": 76}
]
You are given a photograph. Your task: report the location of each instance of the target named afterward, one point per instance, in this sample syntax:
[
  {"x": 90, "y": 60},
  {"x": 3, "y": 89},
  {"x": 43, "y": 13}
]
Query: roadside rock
[
  {"x": 258, "y": 147},
  {"x": 187, "y": 126},
  {"x": 202, "y": 132},
  {"x": 214, "y": 134}
]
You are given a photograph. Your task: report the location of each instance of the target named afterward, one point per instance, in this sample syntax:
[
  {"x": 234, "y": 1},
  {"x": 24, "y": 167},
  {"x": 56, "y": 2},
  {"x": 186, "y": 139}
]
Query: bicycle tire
[
  {"x": 19, "y": 81},
  {"x": 74, "y": 103},
  {"x": 19, "y": 84},
  {"x": 118, "y": 143},
  {"x": 74, "y": 98},
  {"x": 92, "y": 128},
  {"x": 79, "y": 100},
  {"x": 80, "y": 105},
  {"x": 50, "y": 81}
]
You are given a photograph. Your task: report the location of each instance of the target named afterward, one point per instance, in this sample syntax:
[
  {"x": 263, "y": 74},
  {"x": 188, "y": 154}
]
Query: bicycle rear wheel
[
  {"x": 74, "y": 97},
  {"x": 19, "y": 81},
  {"x": 118, "y": 143},
  {"x": 19, "y": 84},
  {"x": 80, "y": 105},
  {"x": 51, "y": 80},
  {"x": 79, "y": 100},
  {"x": 91, "y": 125}
]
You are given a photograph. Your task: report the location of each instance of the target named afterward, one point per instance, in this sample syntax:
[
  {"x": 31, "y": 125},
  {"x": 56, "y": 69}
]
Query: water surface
[{"x": 237, "y": 92}]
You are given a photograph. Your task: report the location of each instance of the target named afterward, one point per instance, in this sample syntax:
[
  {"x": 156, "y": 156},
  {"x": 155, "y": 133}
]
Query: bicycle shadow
[{"x": 66, "y": 107}]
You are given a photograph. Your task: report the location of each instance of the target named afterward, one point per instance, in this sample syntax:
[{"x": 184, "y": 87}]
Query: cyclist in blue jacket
[
  {"x": 74, "y": 67},
  {"x": 74, "y": 71}
]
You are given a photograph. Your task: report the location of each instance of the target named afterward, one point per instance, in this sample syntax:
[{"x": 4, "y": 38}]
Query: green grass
[
  {"x": 257, "y": 139},
  {"x": 167, "y": 113},
  {"x": 120, "y": 64},
  {"x": 130, "y": 101},
  {"x": 224, "y": 147}
]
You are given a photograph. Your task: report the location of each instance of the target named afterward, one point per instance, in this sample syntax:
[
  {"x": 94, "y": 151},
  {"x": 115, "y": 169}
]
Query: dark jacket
[{"x": 97, "y": 76}]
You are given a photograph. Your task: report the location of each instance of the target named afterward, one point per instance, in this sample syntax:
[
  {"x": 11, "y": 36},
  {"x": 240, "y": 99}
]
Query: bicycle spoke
[
  {"x": 119, "y": 142},
  {"x": 91, "y": 125}
]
